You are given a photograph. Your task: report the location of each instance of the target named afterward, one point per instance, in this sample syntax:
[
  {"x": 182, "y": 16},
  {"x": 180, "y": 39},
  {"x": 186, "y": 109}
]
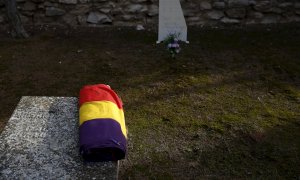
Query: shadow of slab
[{"x": 41, "y": 141}]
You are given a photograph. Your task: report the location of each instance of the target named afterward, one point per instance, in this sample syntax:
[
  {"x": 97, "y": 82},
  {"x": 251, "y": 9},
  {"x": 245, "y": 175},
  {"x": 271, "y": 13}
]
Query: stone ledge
[{"x": 40, "y": 141}]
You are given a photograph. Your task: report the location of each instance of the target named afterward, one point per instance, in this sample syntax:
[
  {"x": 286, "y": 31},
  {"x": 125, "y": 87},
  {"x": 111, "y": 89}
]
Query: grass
[{"x": 226, "y": 107}]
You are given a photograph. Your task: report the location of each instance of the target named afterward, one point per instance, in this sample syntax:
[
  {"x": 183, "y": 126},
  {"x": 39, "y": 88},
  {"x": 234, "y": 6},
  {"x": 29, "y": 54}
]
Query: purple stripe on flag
[{"x": 102, "y": 140}]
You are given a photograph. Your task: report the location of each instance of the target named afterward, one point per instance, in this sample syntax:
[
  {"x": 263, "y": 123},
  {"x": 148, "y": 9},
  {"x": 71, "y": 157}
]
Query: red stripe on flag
[{"x": 99, "y": 92}]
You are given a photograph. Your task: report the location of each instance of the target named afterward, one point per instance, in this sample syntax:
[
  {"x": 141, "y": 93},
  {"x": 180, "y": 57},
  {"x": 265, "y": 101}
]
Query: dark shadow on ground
[
  {"x": 271, "y": 154},
  {"x": 225, "y": 85}
]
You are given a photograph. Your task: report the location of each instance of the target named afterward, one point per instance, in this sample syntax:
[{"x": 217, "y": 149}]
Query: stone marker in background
[
  {"x": 40, "y": 141},
  {"x": 171, "y": 20}
]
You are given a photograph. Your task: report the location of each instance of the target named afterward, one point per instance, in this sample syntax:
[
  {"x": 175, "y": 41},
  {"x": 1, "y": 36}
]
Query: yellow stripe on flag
[{"x": 100, "y": 110}]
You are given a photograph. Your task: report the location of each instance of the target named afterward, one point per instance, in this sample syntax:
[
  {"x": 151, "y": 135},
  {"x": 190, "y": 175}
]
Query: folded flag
[{"x": 103, "y": 134}]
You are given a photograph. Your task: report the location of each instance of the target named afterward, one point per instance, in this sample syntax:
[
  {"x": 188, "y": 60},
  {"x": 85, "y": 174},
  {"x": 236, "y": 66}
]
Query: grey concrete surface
[{"x": 40, "y": 141}]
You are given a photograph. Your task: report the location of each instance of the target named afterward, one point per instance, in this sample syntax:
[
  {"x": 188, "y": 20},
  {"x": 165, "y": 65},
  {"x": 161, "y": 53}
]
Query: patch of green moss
[{"x": 228, "y": 103}]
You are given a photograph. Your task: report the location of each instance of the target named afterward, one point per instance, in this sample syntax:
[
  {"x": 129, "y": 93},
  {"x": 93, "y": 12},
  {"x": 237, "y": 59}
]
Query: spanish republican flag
[{"x": 103, "y": 134}]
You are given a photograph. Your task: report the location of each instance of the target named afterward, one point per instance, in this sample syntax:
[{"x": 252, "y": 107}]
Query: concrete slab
[
  {"x": 40, "y": 141},
  {"x": 171, "y": 20}
]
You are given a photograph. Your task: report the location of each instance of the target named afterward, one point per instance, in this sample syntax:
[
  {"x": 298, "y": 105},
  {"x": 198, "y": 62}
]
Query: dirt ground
[{"x": 228, "y": 106}]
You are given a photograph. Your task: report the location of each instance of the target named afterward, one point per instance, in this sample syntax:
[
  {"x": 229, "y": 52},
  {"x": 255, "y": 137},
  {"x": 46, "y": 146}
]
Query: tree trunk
[{"x": 14, "y": 19}]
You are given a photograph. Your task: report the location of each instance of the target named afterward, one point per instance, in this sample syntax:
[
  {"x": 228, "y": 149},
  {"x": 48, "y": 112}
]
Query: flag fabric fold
[{"x": 102, "y": 131}]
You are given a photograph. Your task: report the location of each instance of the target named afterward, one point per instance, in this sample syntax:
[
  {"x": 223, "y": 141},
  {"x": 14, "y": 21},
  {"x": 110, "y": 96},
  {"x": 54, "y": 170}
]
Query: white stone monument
[
  {"x": 40, "y": 141},
  {"x": 171, "y": 20}
]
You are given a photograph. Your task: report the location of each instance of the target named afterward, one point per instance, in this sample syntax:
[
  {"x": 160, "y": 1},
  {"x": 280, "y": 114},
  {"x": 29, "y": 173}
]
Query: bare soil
[{"x": 228, "y": 106}]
